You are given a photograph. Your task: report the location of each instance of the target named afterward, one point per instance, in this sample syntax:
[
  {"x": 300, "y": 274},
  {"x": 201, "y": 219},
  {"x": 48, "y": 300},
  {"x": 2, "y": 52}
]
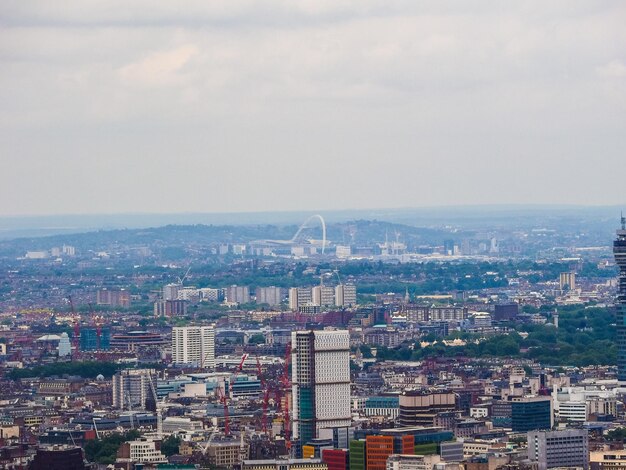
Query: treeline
[
  {"x": 87, "y": 370},
  {"x": 585, "y": 337}
]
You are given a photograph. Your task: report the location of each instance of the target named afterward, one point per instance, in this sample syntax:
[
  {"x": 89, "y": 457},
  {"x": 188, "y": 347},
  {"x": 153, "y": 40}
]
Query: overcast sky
[{"x": 215, "y": 106}]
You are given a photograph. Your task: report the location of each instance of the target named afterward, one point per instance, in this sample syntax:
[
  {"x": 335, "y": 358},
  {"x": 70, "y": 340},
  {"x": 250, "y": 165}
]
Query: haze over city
[
  {"x": 226, "y": 106},
  {"x": 313, "y": 235}
]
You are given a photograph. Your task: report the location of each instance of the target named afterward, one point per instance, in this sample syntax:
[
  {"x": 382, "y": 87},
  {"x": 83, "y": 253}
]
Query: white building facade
[
  {"x": 194, "y": 345},
  {"x": 321, "y": 382}
]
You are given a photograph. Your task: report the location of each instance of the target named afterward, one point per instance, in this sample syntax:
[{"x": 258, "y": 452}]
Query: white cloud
[
  {"x": 159, "y": 68},
  {"x": 614, "y": 69},
  {"x": 229, "y": 96}
]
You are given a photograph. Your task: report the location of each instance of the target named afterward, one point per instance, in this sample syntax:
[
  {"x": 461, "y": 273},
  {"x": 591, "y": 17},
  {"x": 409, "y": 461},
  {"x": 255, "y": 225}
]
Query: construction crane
[
  {"x": 237, "y": 371},
  {"x": 130, "y": 411},
  {"x": 97, "y": 321},
  {"x": 224, "y": 401},
  {"x": 266, "y": 395},
  {"x": 76, "y": 326},
  {"x": 95, "y": 427},
  {"x": 286, "y": 385},
  {"x": 206, "y": 447},
  {"x": 157, "y": 410},
  {"x": 182, "y": 279},
  {"x": 223, "y": 397}
]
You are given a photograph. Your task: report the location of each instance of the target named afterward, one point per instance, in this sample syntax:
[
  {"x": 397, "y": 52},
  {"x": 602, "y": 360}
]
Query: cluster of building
[
  {"x": 303, "y": 387},
  {"x": 176, "y": 298}
]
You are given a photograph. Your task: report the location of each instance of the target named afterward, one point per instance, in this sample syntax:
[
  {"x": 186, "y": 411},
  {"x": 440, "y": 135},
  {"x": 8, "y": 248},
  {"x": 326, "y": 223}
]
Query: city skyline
[{"x": 313, "y": 235}]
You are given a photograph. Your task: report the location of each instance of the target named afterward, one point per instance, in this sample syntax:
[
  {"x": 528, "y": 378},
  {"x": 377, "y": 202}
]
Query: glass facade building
[
  {"x": 619, "y": 250},
  {"x": 89, "y": 340},
  {"x": 529, "y": 414}
]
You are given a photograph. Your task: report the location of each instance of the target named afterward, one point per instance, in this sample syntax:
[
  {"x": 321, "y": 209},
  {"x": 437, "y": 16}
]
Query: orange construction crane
[
  {"x": 237, "y": 371},
  {"x": 97, "y": 321},
  {"x": 224, "y": 399},
  {"x": 266, "y": 395},
  {"x": 286, "y": 385}
]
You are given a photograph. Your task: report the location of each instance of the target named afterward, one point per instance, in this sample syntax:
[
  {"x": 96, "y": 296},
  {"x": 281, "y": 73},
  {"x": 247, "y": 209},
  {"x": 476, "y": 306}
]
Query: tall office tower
[
  {"x": 269, "y": 295},
  {"x": 194, "y": 345},
  {"x": 567, "y": 281},
  {"x": 321, "y": 382},
  {"x": 170, "y": 291},
  {"x": 131, "y": 388},
  {"x": 619, "y": 250},
  {"x": 298, "y": 297},
  {"x": 550, "y": 449}
]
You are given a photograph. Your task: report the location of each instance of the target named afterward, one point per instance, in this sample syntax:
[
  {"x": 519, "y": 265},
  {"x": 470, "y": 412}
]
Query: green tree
[
  {"x": 257, "y": 339},
  {"x": 170, "y": 445}
]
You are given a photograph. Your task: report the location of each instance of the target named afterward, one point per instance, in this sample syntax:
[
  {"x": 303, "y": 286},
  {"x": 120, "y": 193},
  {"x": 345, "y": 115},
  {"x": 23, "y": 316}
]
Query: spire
[{"x": 623, "y": 221}]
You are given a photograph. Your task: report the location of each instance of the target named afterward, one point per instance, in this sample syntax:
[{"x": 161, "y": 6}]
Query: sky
[{"x": 226, "y": 106}]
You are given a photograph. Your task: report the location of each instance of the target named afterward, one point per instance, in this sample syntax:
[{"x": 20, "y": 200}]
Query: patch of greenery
[
  {"x": 585, "y": 337},
  {"x": 104, "y": 451},
  {"x": 87, "y": 370},
  {"x": 170, "y": 445}
]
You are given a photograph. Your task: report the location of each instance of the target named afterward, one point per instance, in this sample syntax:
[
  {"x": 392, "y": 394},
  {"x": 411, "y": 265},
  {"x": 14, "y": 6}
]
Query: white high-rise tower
[{"x": 194, "y": 345}]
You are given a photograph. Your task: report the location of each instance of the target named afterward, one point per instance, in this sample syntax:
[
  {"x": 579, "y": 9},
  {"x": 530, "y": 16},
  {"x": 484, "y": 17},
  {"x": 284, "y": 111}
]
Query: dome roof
[{"x": 49, "y": 338}]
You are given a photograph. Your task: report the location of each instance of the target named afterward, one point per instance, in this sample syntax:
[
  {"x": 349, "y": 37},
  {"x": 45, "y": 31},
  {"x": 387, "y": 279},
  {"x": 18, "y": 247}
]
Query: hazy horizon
[
  {"x": 12, "y": 227},
  {"x": 244, "y": 107}
]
